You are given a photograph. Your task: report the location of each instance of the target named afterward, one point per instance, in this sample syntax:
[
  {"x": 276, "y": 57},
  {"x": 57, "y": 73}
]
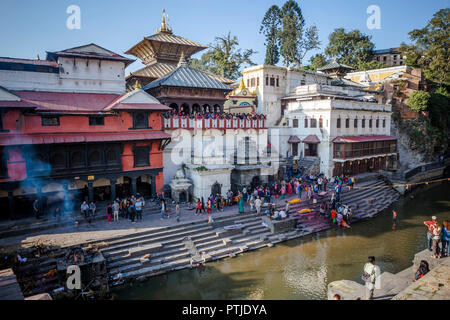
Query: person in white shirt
[
  {"x": 283, "y": 214},
  {"x": 374, "y": 277},
  {"x": 258, "y": 204}
]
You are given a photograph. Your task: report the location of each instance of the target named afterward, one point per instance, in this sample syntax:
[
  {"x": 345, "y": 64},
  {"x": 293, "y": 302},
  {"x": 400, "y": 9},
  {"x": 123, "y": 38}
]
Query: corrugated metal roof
[
  {"x": 166, "y": 37},
  {"x": 350, "y": 139},
  {"x": 65, "y": 101},
  {"x": 159, "y": 70},
  {"x": 156, "y": 70},
  {"x": 29, "y": 61},
  {"x": 50, "y": 138},
  {"x": 334, "y": 65},
  {"x": 185, "y": 76}
]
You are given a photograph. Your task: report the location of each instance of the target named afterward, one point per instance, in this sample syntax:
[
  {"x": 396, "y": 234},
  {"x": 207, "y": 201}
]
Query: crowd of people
[
  {"x": 438, "y": 237},
  {"x": 213, "y": 115},
  {"x": 126, "y": 208}
]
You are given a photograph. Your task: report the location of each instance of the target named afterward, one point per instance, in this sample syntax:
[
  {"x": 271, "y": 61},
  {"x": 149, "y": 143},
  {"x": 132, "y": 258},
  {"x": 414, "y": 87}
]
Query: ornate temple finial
[
  {"x": 164, "y": 28},
  {"x": 137, "y": 85},
  {"x": 182, "y": 62},
  {"x": 242, "y": 85}
]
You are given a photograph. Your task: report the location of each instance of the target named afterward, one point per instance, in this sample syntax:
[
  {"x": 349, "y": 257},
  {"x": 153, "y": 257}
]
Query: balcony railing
[
  {"x": 362, "y": 152},
  {"x": 234, "y": 123}
]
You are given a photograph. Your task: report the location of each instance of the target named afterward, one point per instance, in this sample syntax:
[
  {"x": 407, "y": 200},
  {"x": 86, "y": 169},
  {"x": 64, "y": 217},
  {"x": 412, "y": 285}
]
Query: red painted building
[{"x": 69, "y": 132}]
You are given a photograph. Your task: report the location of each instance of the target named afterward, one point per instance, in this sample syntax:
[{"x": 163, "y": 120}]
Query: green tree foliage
[
  {"x": 351, "y": 48},
  {"x": 419, "y": 100},
  {"x": 370, "y": 65},
  {"x": 293, "y": 23},
  {"x": 430, "y": 48},
  {"x": 317, "y": 61},
  {"x": 270, "y": 27},
  {"x": 225, "y": 58}
]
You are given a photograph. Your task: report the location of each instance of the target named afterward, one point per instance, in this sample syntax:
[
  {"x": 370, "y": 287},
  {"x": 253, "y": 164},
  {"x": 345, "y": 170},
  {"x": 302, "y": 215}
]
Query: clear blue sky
[{"x": 30, "y": 27}]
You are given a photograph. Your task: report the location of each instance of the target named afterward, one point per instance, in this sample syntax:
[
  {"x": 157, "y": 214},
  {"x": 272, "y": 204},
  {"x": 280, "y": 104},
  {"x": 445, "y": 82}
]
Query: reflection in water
[{"x": 302, "y": 268}]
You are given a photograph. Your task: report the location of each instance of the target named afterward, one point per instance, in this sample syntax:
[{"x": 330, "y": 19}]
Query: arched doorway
[
  {"x": 182, "y": 196},
  {"x": 102, "y": 189},
  {"x": 206, "y": 108},
  {"x": 216, "y": 188},
  {"x": 123, "y": 187},
  {"x": 217, "y": 108},
  {"x": 144, "y": 186},
  {"x": 174, "y": 106},
  {"x": 196, "y": 108},
  {"x": 184, "y": 108}
]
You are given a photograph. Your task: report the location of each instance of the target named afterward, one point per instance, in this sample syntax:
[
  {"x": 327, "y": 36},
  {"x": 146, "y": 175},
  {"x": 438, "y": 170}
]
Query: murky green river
[{"x": 302, "y": 268}]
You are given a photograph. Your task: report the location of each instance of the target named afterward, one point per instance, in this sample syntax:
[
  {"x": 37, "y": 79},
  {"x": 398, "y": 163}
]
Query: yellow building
[
  {"x": 241, "y": 100},
  {"x": 395, "y": 84}
]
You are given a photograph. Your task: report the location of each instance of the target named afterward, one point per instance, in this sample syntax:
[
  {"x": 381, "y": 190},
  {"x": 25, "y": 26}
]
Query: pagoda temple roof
[
  {"x": 158, "y": 69},
  {"x": 164, "y": 46},
  {"x": 185, "y": 76}
]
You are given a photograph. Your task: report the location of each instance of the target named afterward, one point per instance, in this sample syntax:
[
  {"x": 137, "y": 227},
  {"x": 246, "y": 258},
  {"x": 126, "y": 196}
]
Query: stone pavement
[{"x": 73, "y": 229}]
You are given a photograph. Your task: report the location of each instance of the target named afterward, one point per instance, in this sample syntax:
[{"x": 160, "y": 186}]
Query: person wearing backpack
[{"x": 370, "y": 276}]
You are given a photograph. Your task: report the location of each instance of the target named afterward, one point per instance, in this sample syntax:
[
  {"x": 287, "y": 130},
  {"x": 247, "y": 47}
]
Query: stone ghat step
[
  {"x": 171, "y": 232},
  {"x": 198, "y": 238},
  {"x": 134, "y": 262}
]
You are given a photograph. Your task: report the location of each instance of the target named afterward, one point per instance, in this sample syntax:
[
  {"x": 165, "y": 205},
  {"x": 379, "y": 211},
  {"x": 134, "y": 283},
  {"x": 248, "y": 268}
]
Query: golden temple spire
[
  {"x": 182, "y": 62},
  {"x": 164, "y": 28},
  {"x": 242, "y": 85},
  {"x": 137, "y": 85}
]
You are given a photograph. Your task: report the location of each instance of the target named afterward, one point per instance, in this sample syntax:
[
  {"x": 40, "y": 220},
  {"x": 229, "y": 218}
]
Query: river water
[{"x": 302, "y": 268}]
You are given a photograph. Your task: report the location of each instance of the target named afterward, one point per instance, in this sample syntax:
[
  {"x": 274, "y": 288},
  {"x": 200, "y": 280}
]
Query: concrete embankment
[{"x": 435, "y": 285}]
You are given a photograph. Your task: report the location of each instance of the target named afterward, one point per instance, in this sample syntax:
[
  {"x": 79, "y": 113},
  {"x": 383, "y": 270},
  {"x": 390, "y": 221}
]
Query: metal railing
[{"x": 234, "y": 123}]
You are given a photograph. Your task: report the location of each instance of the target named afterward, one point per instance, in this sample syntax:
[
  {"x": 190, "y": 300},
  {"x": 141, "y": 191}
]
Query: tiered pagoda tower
[{"x": 161, "y": 53}]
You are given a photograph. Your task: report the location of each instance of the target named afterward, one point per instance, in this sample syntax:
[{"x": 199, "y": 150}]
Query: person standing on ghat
[
  {"x": 371, "y": 275},
  {"x": 84, "y": 209},
  {"x": 430, "y": 224},
  {"x": 116, "y": 208},
  {"x": 36, "y": 208}
]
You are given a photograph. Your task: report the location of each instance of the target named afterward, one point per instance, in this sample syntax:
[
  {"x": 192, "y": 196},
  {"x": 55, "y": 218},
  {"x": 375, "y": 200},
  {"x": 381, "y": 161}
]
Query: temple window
[
  {"x": 267, "y": 80},
  {"x": 141, "y": 156},
  {"x": 96, "y": 120},
  {"x": 363, "y": 123},
  {"x": 295, "y": 123},
  {"x": 140, "y": 120},
  {"x": 313, "y": 123},
  {"x": 347, "y": 123},
  {"x": 272, "y": 81},
  {"x": 49, "y": 121},
  {"x": 278, "y": 82},
  {"x": 384, "y": 123},
  {"x": 320, "y": 123},
  {"x": 306, "y": 122},
  {"x": 338, "y": 123},
  {"x": 355, "y": 123}
]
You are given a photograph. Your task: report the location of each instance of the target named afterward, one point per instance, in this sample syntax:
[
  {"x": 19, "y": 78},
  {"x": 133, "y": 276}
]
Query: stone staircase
[{"x": 143, "y": 254}]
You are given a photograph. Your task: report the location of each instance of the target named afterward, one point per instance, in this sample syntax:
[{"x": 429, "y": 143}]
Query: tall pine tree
[
  {"x": 292, "y": 30},
  {"x": 271, "y": 27}
]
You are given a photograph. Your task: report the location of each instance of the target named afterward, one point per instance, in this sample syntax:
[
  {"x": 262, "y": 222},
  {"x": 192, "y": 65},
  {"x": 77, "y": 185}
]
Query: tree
[
  {"x": 225, "y": 58},
  {"x": 419, "y": 100},
  {"x": 293, "y": 22},
  {"x": 308, "y": 41},
  {"x": 317, "y": 61},
  {"x": 370, "y": 65},
  {"x": 351, "y": 48},
  {"x": 270, "y": 27},
  {"x": 430, "y": 50}
]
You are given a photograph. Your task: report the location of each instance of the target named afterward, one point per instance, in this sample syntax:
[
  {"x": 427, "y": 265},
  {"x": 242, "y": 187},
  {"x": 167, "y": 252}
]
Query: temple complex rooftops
[{"x": 160, "y": 53}]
